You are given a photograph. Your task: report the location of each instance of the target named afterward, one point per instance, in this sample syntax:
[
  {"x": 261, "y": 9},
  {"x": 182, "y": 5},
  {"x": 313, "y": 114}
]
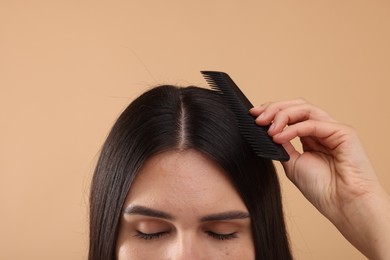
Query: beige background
[{"x": 68, "y": 68}]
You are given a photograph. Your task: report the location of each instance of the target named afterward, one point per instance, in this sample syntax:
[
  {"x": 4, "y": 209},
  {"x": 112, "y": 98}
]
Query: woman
[{"x": 175, "y": 180}]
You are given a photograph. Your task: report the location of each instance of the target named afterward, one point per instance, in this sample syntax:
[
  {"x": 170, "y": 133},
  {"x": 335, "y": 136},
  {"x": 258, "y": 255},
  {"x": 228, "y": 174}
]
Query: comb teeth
[{"x": 256, "y": 136}]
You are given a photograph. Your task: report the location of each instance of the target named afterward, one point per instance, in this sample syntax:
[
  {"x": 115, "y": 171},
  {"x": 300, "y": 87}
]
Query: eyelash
[
  {"x": 221, "y": 236},
  {"x": 214, "y": 235},
  {"x": 150, "y": 236}
]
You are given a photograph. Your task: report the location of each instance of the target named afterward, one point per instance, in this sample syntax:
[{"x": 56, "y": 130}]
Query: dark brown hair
[{"x": 167, "y": 118}]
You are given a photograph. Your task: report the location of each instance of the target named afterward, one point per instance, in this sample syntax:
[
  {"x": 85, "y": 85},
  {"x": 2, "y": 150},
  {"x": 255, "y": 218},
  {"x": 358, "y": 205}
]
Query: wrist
[{"x": 365, "y": 222}]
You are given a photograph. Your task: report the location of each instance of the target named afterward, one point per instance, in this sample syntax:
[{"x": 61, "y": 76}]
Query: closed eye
[
  {"x": 222, "y": 236},
  {"x": 150, "y": 236}
]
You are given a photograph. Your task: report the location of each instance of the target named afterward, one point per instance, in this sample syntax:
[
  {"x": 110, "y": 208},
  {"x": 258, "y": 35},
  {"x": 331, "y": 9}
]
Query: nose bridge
[{"x": 188, "y": 246}]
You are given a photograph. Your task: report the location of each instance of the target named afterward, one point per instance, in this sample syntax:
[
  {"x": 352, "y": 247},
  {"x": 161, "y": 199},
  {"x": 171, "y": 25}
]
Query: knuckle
[{"x": 348, "y": 128}]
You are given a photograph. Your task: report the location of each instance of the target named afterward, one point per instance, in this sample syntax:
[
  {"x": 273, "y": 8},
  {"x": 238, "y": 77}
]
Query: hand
[{"x": 333, "y": 171}]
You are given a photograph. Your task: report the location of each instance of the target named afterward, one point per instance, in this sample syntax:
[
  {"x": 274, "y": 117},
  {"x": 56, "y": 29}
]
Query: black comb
[{"x": 256, "y": 136}]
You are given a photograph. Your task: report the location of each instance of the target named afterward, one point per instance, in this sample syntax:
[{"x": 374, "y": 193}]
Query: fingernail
[
  {"x": 272, "y": 127},
  {"x": 261, "y": 116}
]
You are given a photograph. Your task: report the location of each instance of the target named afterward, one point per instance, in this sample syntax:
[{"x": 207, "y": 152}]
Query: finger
[
  {"x": 256, "y": 111},
  {"x": 310, "y": 144},
  {"x": 328, "y": 134},
  {"x": 304, "y": 111},
  {"x": 294, "y": 114},
  {"x": 290, "y": 149},
  {"x": 294, "y": 155}
]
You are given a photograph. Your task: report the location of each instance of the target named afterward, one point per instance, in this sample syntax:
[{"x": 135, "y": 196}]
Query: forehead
[{"x": 184, "y": 180}]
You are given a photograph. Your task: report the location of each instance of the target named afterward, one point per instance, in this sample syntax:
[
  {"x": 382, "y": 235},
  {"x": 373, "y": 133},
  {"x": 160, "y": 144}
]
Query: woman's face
[{"x": 182, "y": 206}]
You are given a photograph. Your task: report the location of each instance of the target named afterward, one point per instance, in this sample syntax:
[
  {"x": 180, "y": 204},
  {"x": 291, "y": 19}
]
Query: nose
[{"x": 187, "y": 246}]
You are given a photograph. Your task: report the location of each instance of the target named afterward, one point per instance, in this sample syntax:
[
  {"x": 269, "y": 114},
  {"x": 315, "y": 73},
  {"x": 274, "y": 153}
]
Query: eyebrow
[
  {"x": 229, "y": 215},
  {"x": 145, "y": 211},
  {"x": 149, "y": 212}
]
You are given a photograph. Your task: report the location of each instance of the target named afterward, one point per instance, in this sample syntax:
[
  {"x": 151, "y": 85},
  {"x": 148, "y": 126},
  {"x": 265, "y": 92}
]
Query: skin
[
  {"x": 333, "y": 172},
  {"x": 182, "y": 206}
]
